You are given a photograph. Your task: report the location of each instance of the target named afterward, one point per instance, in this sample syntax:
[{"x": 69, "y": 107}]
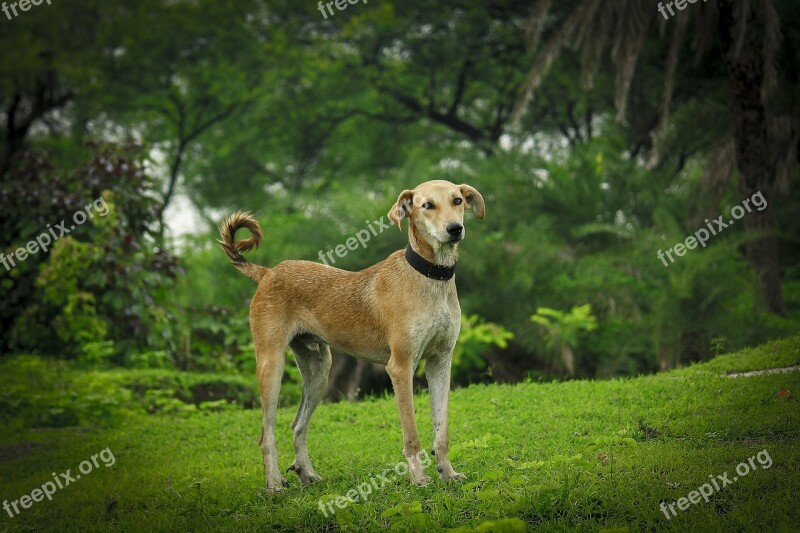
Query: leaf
[
  {"x": 517, "y": 481},
  {"x": 493, "y": 475},
  {"x": 404, "y": 509},
  {"x": 487, "y": 494},
  {"x": 344, "y": 516},
  {"x": 505, "y": 525},
  {"x": 391, "y": 511},
  {"x": 531, "y": 464},
  {"x": 469, "y": 486}
]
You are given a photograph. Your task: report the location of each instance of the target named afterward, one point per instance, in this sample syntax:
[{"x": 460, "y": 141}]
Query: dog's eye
[
  {"x": 457, "y": 201},
  {"x": 427, "y": 205}
]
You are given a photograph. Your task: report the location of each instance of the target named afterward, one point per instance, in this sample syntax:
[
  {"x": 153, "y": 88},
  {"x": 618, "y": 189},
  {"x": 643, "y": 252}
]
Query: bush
[
  {"x": 151, "y": 386},
  {"x": 40, "y": 392},
  {"x": 109, "y": 279},
  {"x": 36, "y": 392}
]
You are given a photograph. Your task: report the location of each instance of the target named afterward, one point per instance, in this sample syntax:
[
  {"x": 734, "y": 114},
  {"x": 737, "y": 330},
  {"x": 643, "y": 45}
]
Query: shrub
[{"x": 41, "y": 392}]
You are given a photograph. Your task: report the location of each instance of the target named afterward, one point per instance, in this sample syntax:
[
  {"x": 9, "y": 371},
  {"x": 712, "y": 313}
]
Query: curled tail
[{"x": 233, "y": 248}]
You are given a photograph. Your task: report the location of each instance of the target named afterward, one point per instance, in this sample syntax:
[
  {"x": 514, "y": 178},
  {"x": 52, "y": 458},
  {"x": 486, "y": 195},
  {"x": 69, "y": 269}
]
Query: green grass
[{"x": 582, "y": 455}]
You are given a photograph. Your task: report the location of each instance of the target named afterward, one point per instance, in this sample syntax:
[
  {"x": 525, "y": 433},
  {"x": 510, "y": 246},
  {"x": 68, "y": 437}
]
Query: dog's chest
[{"x": 436, "y": 330}]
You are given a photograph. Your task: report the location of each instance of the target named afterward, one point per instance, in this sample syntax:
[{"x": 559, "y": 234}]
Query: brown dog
[{"x": 396, "y": 312}]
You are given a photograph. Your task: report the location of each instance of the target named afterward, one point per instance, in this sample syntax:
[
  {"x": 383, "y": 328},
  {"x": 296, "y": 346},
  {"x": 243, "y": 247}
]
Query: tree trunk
[
  {"x": 351, "y": 378},
  {"x": 7, "y": 152},
  {"x": 568, "y": 358},
  {"x": 749, "y": 123},
  {"x": 15, "y": 135},
  {"x": 174, "y": 173}
]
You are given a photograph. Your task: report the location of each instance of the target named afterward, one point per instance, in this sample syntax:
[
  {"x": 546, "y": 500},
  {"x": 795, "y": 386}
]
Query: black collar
[{"x": 426, "y": 268}]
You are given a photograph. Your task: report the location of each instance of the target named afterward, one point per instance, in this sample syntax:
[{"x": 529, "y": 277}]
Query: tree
[
  {"x": 748, "y": 35},
  {"x": 174, "y": 90},
  {"x": 46, "y": 67}
]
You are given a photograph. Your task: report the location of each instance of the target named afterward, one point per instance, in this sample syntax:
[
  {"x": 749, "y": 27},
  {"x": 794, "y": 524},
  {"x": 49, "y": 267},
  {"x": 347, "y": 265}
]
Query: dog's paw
[
  {"x": 277, "y": 486},
  {"x": 447, "y": 473},
  {"x": 453, "y": 476},
  {"x": 307, "y": 476},
  {"x": 421, "y": 481}
]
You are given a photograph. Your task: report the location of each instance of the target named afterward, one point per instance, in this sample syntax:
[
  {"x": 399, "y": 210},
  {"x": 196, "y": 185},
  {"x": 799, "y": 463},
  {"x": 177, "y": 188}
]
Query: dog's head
[{"x": 436, "y": 210}]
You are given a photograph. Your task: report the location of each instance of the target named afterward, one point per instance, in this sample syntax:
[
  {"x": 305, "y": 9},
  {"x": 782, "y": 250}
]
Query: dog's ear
[
  {"x": 402, "y": 208},
  {"x": 474, "y": 200}
]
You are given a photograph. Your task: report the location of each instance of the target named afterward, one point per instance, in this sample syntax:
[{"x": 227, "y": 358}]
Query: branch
[
  {"x": 460, "y": 85},
  {"x": 573, "y": 122},
  {"x": 385, "y": 118},
  {"x": 210, "y": 122},
  {"x": 451, "y": 121}
]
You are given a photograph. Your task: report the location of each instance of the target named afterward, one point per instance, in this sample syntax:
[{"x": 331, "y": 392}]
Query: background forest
[
  {"x": 608, "y": 364},
  {"x": 599, "y": 133}
]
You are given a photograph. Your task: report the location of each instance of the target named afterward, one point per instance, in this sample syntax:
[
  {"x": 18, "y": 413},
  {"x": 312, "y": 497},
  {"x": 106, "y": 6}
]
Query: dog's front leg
[
  {"x": 401, "y": 370},
  {"x": 437, "y": 370}
]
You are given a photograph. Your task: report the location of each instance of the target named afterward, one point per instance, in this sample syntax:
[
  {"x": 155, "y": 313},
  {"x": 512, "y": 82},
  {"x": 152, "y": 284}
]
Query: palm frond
[
  {"x": 672, "y": 65},
  {"x": 678, "y": 34},
  {"x": 720, "y": 167},
  {"x": 593, "y": 40},
  {"x": 632, "y": 30},
  {"x": 535, "y": 26},
  {"x": 545, "y": 58}
]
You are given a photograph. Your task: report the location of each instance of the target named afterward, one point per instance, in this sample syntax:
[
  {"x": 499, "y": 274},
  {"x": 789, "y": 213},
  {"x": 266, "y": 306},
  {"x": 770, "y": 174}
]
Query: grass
[{"x": 580, "y": 455}]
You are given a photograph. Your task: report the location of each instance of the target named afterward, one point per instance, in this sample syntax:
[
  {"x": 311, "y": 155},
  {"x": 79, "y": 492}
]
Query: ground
[{"x": 583, "y": 455}]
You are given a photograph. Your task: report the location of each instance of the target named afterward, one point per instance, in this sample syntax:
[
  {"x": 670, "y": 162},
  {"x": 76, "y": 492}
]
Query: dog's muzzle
[{"x": 455, "y": 231}]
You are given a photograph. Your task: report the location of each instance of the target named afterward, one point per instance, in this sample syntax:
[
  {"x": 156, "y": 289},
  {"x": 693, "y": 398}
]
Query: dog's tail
[{"x": 233, "y": 248}]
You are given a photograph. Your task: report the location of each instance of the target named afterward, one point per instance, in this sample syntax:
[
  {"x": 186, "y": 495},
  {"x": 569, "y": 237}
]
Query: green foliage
[
  {"x": 105, "y": 280},
  {"x": 476, "y": 339},
  {"x": 409, "y": 516},
  {"x": 40, "y": 392},
  {"x": 565, "y": 328},
  {"x": 151, "y": 359},
  {"x": 153, "y": 386},
  {"x": 484, "y": 442},
  {"x": 77, "y": 323},
  {"x": 96, "y": 354},
  {"x": 316, "y": 124},
  {"x": 584, "y": 469}
]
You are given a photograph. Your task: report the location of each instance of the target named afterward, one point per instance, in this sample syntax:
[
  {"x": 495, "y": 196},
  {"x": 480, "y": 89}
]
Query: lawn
[{"x": 582, "y": 455}]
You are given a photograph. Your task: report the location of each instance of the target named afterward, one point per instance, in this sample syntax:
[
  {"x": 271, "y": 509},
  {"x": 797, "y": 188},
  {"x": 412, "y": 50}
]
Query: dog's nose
[{"x": 455, "y": 229}]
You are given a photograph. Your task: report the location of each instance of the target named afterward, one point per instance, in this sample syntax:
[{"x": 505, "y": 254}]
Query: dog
[{"x": 396, "y": 313}]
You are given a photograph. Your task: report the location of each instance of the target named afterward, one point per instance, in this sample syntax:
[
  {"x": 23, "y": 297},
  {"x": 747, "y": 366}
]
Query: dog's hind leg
[
  {"x": 314, "y": 367},
  {"x": 269, "y": 367}
]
